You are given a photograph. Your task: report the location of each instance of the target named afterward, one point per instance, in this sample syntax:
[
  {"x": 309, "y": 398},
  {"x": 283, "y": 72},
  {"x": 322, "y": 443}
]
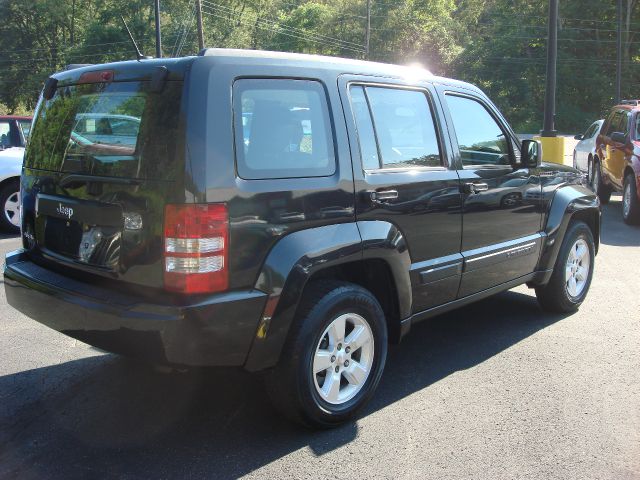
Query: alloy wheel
[
  {"x": 626, "y": 200},
  {"x": 577, "y": 268},
  {"x": 12, "y": 209},
  {"x": 343, "y": 358}
]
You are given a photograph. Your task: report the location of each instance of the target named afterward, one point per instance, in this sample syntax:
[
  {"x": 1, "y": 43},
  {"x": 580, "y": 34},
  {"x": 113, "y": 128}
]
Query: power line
[{"x": 295, "y": 30}]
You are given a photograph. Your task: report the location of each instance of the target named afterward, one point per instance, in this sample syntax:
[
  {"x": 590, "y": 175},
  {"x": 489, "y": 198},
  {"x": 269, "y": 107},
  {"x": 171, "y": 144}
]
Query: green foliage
[{"x": 499, "y": 45}]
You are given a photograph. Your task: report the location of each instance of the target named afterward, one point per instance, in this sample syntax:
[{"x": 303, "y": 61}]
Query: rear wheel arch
[
  {"x": 374, "y": 275},
  {"x": 335, "y": 252}
]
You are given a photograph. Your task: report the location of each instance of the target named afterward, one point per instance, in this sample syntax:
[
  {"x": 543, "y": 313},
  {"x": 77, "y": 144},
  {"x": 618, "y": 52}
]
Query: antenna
[{"x": 139, "y": 55}]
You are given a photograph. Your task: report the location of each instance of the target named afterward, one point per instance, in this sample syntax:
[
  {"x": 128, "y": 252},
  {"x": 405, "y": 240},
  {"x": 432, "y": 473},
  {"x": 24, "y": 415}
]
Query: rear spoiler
[{"x": 73, "y": 66}]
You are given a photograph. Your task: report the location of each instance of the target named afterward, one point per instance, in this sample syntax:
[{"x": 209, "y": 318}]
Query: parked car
[
  {"x": 585, "y": 150},
  {"x": 14, "y": 131},
  {"x": 301, "y": 246},
  {"x": 617, "y": 160}
]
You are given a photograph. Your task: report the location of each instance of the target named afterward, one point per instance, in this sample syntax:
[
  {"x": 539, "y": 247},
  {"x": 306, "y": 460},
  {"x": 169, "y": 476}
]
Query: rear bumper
[{"x": 216, "y": 331}]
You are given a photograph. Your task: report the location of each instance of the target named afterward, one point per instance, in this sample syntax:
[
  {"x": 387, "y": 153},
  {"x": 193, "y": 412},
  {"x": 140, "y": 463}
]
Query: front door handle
[
  {"x": 384, "y": 195},
  {"x": 475, "y": 187}
]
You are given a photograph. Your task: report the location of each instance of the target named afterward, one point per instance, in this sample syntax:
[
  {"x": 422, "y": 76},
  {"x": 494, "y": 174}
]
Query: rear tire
[
  {"x": 630, "y": 203},
  {"x": 572, "y": 273},
  {"x": 10, "y": 203},
  {"x": 603, "y": 191},
  {"x": 339, "y": 336}
]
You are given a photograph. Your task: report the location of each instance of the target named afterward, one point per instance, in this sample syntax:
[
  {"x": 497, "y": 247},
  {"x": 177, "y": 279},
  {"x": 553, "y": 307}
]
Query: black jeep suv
[{"x": 289, "y": 214}]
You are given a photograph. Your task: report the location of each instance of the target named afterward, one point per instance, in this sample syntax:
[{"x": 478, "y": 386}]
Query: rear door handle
[
  {"x": 475, "y": 187},
  {"x": 384, "y": 195}
]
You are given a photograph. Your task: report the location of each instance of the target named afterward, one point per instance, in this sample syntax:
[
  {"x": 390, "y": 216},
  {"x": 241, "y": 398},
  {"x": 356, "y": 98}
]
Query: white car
[
  {"x": 13, "y": 133},
  {"x": 586, "y": 148}
]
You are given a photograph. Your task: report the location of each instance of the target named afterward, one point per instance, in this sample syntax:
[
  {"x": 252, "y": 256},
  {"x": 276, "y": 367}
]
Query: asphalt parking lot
[{"x": 497, "y": 390}]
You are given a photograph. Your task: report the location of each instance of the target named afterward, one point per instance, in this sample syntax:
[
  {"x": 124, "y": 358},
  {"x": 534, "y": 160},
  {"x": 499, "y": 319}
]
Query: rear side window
[
  {"x": 282, "y": 129},
  {"x": 402, "y": 123}
]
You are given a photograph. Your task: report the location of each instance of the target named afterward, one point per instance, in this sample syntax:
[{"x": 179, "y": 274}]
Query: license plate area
[{"x": 83, "y": 231}]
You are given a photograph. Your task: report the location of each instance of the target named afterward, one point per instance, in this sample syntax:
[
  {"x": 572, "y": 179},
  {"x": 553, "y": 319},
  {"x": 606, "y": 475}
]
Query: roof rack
[{"x": 635, "y": 103}]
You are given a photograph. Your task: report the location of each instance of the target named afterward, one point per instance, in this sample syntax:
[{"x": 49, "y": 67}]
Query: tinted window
[
  {"x": 480, "y": 138},
  {"x": 115, "y": 129},
  {"x": 5, "y": 135},
  {"x": 616, "y": 123},
  {"x": 282, "y": 129},
  {"x": 366, "y": 135},
  {"x": 404, "y": 128}
]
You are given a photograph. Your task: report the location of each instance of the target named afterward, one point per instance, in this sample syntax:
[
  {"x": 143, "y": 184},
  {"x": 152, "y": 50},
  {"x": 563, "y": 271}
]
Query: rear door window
[{"x": 282, "y": 129}]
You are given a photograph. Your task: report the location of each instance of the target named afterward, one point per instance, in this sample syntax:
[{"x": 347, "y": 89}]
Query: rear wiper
[{"x": 75, "y": 179}]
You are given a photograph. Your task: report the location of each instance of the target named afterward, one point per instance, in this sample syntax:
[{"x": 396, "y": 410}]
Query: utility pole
[
  {"x": 548, "y": 129},
  {"x": 368, "y": 31},
  {"x": 619, "y": 55},
  {"x": 158, "y": 40},
  {"x": 200, "y": 29}
]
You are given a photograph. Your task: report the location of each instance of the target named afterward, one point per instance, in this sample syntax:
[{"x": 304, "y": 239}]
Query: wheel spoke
[
  {"x": 572, "y": 286},
  {"x": 331, "y": 387},
  {"x": 581, "y": 274},
  {"x": 568, "y": 272},
  {"x": 322, "y": 361},
  {"x": 336, "y": 331},
  {"x": 357, "y": 338},
  {"x": 581, "y": 251},
  {"x": 355, "y": 374}
]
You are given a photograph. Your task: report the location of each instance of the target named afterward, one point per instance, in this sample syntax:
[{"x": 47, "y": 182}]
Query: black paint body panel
[{"x": 442, "y": 247}]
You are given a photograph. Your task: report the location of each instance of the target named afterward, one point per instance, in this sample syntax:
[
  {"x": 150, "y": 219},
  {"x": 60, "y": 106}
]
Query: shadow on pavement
[
  {"x": 5, "y": 236},
  {"x": 106, "y": 415},
  {"x": 614, "y": 231}
]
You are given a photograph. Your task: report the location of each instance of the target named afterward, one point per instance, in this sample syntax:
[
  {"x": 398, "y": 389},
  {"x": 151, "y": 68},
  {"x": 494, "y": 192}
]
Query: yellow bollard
[{"x": 553, "y": 149}]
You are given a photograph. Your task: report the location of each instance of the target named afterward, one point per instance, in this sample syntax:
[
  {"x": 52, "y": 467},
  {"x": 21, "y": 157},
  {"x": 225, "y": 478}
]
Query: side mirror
[
  {"x": 618, "y": 137},
  {"x": 578, "y": 137},
  {"x": 531, "y": 153}
]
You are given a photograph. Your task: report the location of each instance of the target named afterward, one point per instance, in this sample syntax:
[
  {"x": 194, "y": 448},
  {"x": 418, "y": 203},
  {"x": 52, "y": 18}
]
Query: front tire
[
  {"x": 603, "y": 191},
  {"x": 572, "y": 273},
  {"x": 10, "y": 202},
  {"x": 333, "y": 359},
  {"x": 630, "y": 203}
]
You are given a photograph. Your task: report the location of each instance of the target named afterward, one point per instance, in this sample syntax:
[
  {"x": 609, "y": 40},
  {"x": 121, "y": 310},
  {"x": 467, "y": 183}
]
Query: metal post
[
  {"x": 200, "y": 29},
  {"x": 619, "y": 55},
  {"x": 158, "y": 40},
  {"x": 548, "y": 129},
  {"x": 368, "y": 31}
]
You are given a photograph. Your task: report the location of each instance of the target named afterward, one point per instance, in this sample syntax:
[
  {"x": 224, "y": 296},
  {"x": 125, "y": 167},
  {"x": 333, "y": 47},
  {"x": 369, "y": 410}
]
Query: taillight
[{"x": 196, "y": 248}]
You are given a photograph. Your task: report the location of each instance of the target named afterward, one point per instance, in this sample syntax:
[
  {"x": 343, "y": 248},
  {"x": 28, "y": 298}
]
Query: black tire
[
  {"x": 8, "y": 191},
  {"x": 630, "y": 213},
  {"x": 291, "y": 384},
  {"x": 603, "y": 191},
  {"x": 555, "y": 296}
]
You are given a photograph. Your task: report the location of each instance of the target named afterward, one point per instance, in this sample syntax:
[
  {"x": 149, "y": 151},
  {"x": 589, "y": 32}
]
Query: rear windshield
[{"x": 108, "y": 129}]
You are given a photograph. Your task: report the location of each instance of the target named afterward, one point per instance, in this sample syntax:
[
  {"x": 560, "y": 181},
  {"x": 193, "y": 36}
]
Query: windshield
[{"x": 115, "y": 129}]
